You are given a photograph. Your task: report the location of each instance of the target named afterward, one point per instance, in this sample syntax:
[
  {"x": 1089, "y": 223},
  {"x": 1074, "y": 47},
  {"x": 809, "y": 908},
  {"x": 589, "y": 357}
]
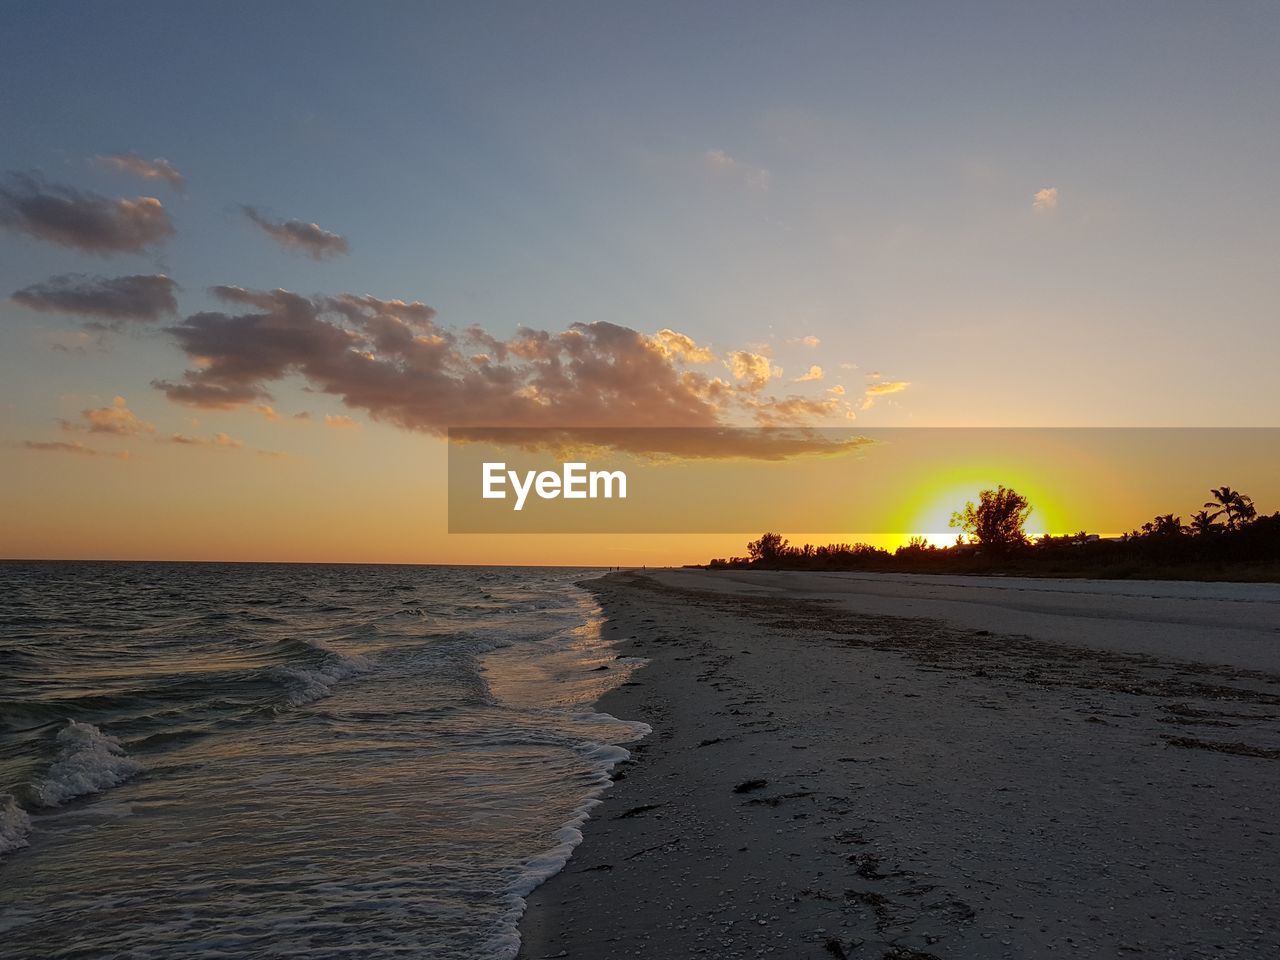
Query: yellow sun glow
[{"x": 933, "y": 506}]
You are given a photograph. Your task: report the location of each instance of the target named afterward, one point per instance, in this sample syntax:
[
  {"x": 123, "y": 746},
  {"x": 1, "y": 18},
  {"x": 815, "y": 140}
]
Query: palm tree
[
  {"x": 1164, "y": 526},
  {"x": 1202, "y": 523},
  {"x": 1233, "y": 506}
]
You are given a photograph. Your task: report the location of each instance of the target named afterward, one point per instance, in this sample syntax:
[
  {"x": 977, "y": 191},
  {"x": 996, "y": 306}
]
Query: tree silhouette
[
  {"x": 769, "y": 547},
  {"x": 1202, "y": 523},
  {"x": 1227, "y": 539},
  {"x": 1234, "y": 507},
  {"x": 1166, "y": 525},
  {"x": 997, "y": 520}
]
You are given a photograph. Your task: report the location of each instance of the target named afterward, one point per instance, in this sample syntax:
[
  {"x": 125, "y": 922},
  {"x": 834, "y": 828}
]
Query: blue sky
[
  {"x": 746, "y": 174},
  {"x": 546, "y": 164}
]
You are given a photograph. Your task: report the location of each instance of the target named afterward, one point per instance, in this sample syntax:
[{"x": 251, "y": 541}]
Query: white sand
[
  {"x": 931, "y": 790},
  {"x": 1230, "y": 623}
]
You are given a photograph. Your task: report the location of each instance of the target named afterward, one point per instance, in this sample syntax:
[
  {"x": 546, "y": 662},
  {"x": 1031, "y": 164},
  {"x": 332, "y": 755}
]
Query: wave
[
  {"x": 183, "y": 677},
  {"x": 547, "y": 864},
  {"x": 88, "y": 761},
  {"x": 307, "y": 683},
  {"x": 15, "y": 826},
  {"x": 603, "y": 757}
]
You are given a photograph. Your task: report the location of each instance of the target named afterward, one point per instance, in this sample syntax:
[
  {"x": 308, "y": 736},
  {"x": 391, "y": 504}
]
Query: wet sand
[{"x": 912, "y": 770}]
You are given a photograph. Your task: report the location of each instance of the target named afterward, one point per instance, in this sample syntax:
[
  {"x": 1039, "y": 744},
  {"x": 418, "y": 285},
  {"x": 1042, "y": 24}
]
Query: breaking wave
[
  {"x": 89, "y": 761},
  {"x": 307, "y": 683},
  {"x": 15, "y": 826}
]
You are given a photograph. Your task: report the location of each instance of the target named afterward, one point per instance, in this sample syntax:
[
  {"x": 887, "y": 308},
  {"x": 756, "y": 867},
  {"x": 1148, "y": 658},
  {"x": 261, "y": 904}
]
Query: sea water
[{"x": 224, "y": 760}]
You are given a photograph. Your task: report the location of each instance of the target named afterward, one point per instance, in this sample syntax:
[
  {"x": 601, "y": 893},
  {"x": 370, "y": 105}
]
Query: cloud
[
  {"x": 720, "y": 163},
  {"x": 1045, "y": 200},
  {"x": 392, "y": 360},
  {"x": 814, "y": 373},
  {"x": 774, "y": 441},
  {"x": 157, "y": 169},
  {"x": 795, "y": 410},
  {"x": 79, "y": 219},
  {"x": 60, "y": 446},
  {"x": 809, "y": 341},
  {"x": 75, "y": 341},
  {"x": 115, "y": 419},
  {"x": 886, "y": 387},
  {"x": 882, "y": 388},
  {"x": 298, "y": 235},
  {"x": 340, "y": 422},
  {"x": 753, "y": 370},
  {"x": 837, "y": 390},
  {"x": 217, "y": 440},
  {"x": 141, "y": 298},
  {"x": 220, "y": 441},
  {"x": 267, "y": 412},
  {"x": 679, "y": 346}
]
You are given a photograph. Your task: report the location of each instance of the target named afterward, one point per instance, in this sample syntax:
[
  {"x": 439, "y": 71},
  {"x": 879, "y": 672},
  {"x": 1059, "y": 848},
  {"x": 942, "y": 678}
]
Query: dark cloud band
[
  {"x": 80, "y": 219},
  {"x": 141, "y": 298}
]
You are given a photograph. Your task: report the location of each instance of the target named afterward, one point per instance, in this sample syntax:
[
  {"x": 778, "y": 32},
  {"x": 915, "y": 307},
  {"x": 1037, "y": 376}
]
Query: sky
[{"x": 913, "y": 215}]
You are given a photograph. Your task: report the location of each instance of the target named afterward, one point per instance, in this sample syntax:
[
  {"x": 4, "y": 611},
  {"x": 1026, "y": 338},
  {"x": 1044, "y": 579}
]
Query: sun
[{"x": 931, "y": 519}]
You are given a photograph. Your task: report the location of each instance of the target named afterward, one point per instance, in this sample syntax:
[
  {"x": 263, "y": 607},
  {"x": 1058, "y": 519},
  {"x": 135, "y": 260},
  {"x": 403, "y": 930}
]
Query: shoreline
[
  {"x": 825, "y": 782},
  {"x": 1253, "y": 571}
]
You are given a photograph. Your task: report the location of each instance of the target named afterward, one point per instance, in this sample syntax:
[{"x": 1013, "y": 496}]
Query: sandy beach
[{"x": 850, "y": 765}]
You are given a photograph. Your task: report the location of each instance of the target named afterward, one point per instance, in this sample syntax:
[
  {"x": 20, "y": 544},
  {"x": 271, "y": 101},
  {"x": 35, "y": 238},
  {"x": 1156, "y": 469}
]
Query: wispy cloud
[
  {"x": 76, "y": 341},
  {"x": 142, "y": 298},
  {"x": 812, "y": 374},
  {"x": 722, "y": 164},
  {"x": 80, "y": 219},
  {"x": 217, "y": 440},
  {"x": 1045, "y": 200},
  {"x": 61, "y": 446},
  {"x": 115, "y": 419},
  {"x": 881, "y": 388},
  {"x": 157, "y": 169},
  {"x": 309, "y": 238},
  {"x": 340, "y": 422},
  {"x": 886, "y": 387},
  {"x": 793, "y": 410}
]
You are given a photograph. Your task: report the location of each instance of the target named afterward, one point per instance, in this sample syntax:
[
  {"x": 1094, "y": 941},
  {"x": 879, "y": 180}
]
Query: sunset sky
[{"x": 583, "y": 215}]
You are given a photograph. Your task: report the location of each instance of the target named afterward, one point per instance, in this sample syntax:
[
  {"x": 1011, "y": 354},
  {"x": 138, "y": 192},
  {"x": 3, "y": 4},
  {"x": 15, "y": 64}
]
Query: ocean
[{"x": 217, "y": 760}]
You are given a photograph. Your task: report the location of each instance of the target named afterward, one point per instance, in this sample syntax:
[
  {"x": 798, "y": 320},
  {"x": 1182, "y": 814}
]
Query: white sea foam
[
  {"x": 88, "y": 761},
  {"x": 505, "y": 944},
  {"x": 306, "y": 684},
  {"x": 554, "y": 680},
  {"x": 15, "y": 826}
]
